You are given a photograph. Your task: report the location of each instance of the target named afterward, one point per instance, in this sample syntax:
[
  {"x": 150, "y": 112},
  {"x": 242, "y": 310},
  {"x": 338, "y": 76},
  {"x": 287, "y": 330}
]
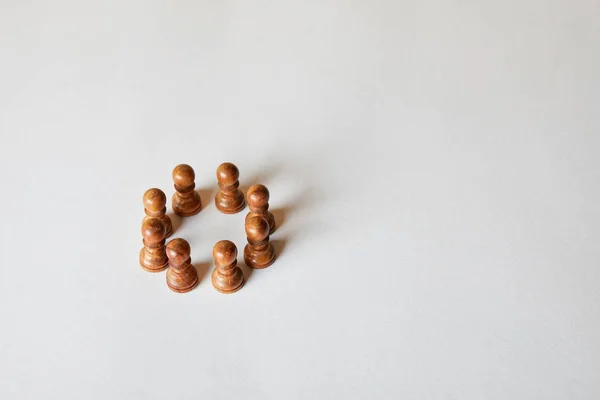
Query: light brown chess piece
[
  {"x": 230, "y": 199},
  {"x": 152, "y": 256},
  {"x": 259, "y": 252},
  {"x": 181, "y": 275},
  {"x": 155, "y": 207},
  {"x": 186, "y": 201},
  {"x": 227, "y": 276},
  {"x": 258, "y": 202}
]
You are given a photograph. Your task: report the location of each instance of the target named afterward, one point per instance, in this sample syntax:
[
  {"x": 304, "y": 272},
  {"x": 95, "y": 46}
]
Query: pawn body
[
  {"x": 258, "y": 202},
  {"x": 259, "y": 252},
  {"x": 227, "y": 276},
  {"x": 186, "y": 201},
  {"x": 230, "y": 199},
  {"x": 181, "y": 275},
  {"x": 155, "y": 203},
  {"x": 153, "y": 257}
]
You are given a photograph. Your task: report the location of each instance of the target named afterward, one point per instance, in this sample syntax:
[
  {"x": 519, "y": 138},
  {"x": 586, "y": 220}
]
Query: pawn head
[
  {"x": 228, "y": 173},
  {"x": 183, "y": 175},
  {"x": 153, "y": 230},
  {"x": 257, "y": 228},
  {"x": 225, "y": 252},
  {"x": 258, "y": 196},
  {"x": 178, "y": 251},
  {"x": 154, "y": 199}
]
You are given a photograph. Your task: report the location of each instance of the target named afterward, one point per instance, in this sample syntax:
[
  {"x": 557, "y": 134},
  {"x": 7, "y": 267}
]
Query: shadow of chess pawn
[
  {"x": 259, "y": 252},
  {"x": 155, "y": 203},
  {"x": 258, "y": 202},
  {"x": 230, "y": 199},
  {"x": 152, "y": 256},
  {"x": 186, "y": 201},
  {"x": 227, "y": 276},
  {"x": 181, "y": 275}
]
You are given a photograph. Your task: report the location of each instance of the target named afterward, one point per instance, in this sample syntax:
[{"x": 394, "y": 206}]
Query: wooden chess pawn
[
  {"x": 258, "y": 202},
  {"x": 181, "y": 275},
  {"x": 230, "y": 199},
  {"x": 259, "y": 252},
  {"x": 186, "y": 201},
  {"x": 155, "y": 207},
  {"x": 227, "y": 276},
  {"x": 152, "y": 256}
]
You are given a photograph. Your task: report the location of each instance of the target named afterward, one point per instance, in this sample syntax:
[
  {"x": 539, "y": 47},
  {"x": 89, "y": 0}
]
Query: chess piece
[
  {"x": 259, "y": 252},
  {"x": 181, "y": 275},
  {"x": 152, "y": 256},
  {"x": 155, "y": 207},
  {"x": 227, "y": 276},
  {"x": 258, "y": 202},
  {"x": 186, "y": 201},
  {"x": 230, "y": 199}
]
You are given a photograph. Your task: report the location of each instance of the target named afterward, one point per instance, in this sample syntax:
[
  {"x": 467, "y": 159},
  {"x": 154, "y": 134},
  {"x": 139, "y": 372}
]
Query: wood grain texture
[
  {"x": 259, "y": 252},
  {"x": 155, "y": 202},
  {"x": 186, "y": 201},
  {"x": 152, "y": 256},
  {"x": 181, "y": 275},
  {"x": 227, "y": 277},
  {"x": 229, "y": 199}
]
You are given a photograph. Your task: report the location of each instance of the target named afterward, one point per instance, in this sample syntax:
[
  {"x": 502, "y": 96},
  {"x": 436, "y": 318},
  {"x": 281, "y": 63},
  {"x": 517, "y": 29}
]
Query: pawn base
[
  {"x": 188, "y": 206},
  {"x": 182, "y": 280},
  {"x": 259, "y": 260},
  {"x": 218, "y": 282},
  {"x": 230, "y": 204},
  {"x": 229, "y": 210},
  {"x": 231, "y": 290},
  {"x": 185, "y": 289},
  {"x": 151, "y": 268}
]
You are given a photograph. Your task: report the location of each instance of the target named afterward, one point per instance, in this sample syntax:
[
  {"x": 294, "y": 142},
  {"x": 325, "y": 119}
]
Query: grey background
[{"x": 434, "y": 165}]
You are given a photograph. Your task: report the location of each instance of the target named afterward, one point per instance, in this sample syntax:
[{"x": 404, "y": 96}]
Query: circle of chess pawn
[{"x": 227, "y": 277}]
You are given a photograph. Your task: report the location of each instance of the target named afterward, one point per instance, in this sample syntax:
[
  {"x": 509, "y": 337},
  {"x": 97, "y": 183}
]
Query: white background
[{"x": 433, "y": 166}]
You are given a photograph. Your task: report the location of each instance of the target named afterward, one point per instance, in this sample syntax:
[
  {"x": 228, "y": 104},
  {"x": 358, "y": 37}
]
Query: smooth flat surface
[{"x": 434, "y": 167}]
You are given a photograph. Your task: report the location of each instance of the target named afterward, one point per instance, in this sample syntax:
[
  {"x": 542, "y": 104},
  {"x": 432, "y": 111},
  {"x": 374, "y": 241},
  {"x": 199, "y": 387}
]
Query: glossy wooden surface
[
  {"x": 155, "y": 202},
  {"x": 186, "y": 201},
  {"x": 259, "y": 252},
  {"x": 181, "y": 275},
  {"x": 152, "y": 256},
  {"x": 257, "y": 197},
  {"x": 227, "y": 277},
  {"x": 229, "y": 199}
]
